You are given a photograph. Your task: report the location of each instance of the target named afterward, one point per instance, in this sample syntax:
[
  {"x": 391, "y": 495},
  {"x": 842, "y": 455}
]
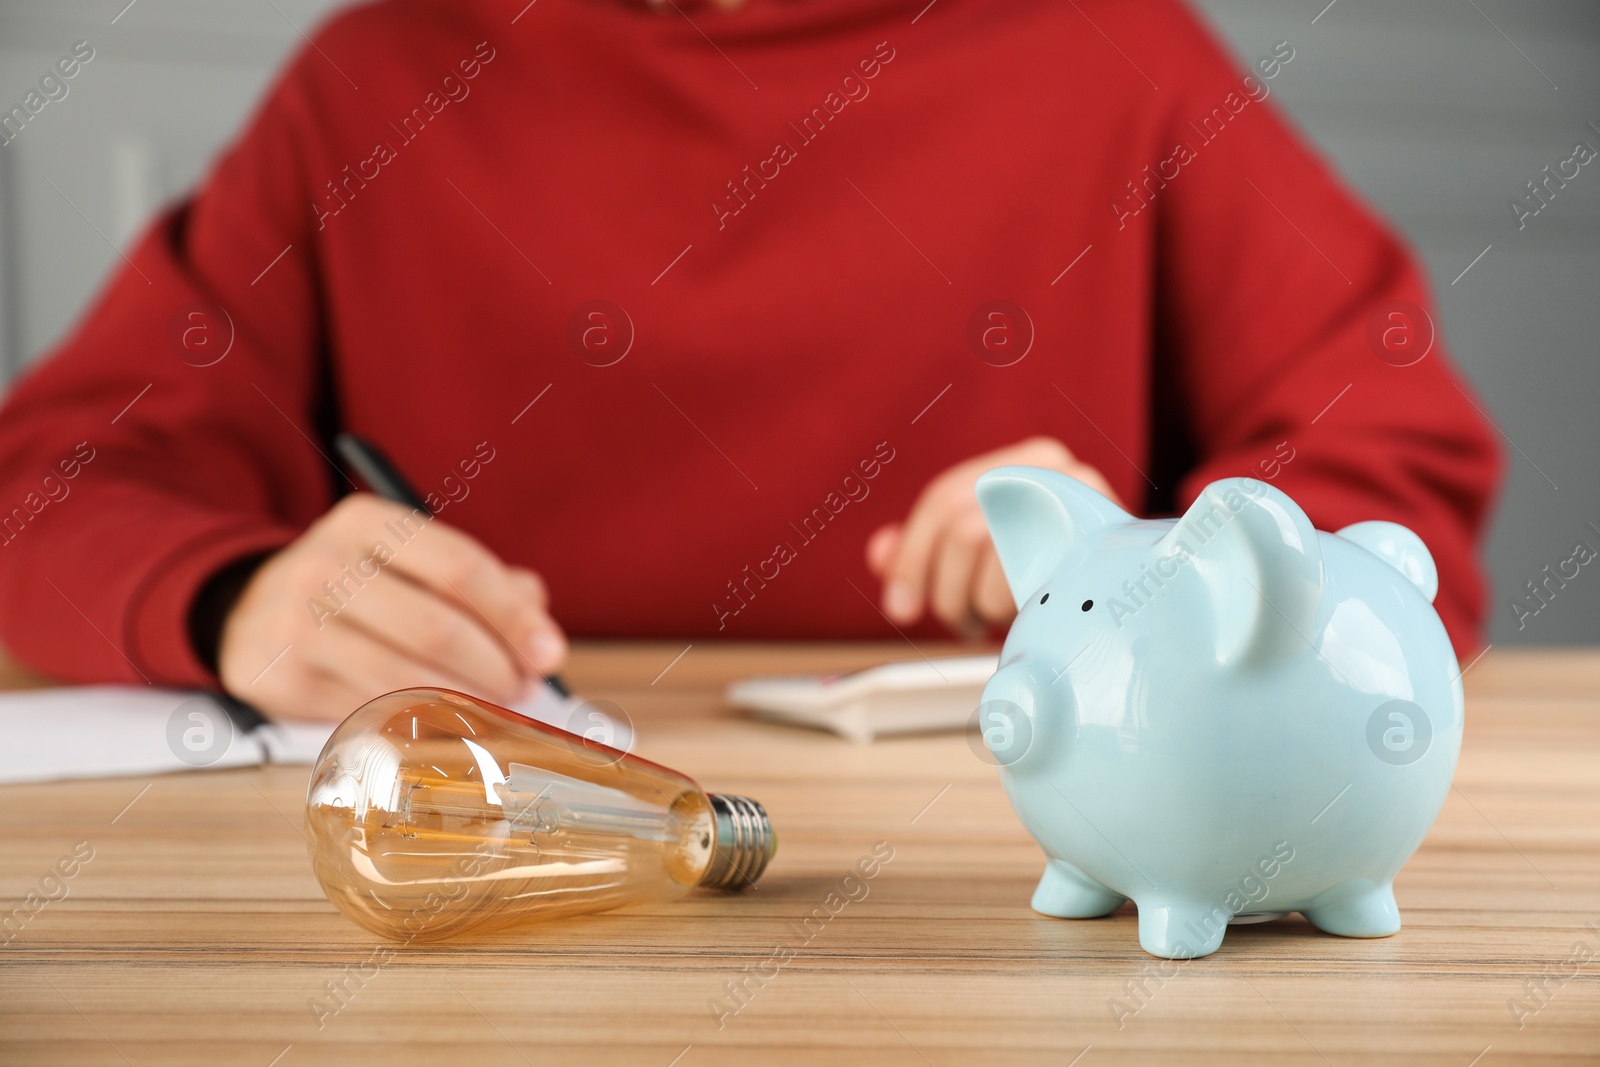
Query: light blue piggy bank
[{"x": 1225, "y": 717}]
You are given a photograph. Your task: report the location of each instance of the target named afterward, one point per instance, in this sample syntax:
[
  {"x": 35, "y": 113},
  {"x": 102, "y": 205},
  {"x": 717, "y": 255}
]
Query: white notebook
[
  {"x": 111, "y": 730},
  {"x": 917, "y": 696}
]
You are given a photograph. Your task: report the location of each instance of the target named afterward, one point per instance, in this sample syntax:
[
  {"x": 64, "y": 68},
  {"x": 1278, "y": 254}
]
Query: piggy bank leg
[
  {"x": 1357, "y": 908},
  {"x": 1181, "y": 931},
  {"x": 1068, "y": 893}
]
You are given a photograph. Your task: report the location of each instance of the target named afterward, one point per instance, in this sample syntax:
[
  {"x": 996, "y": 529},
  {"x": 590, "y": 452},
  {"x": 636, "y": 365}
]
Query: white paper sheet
[{"x": 111, "y": 731}]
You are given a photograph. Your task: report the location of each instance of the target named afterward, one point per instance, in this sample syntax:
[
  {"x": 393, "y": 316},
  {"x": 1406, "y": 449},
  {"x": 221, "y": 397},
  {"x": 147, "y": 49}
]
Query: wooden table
[{"x": 196, "y": 934}]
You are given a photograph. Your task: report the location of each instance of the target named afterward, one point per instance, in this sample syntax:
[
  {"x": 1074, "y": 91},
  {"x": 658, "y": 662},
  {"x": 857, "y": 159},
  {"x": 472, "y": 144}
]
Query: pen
[{"x": 383, "y": 478}]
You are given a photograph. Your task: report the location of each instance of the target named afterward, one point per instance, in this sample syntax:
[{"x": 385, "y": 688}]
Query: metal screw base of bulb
[{"x": 745, "y": 843}]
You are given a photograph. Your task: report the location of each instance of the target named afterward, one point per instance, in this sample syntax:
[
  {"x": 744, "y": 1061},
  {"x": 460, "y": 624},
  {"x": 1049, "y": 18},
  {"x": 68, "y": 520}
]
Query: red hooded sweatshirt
[{"x": 677, "y": 305}]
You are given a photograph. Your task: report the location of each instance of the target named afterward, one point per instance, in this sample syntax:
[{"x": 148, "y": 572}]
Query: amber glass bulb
[{"x": 431, "y": 814}]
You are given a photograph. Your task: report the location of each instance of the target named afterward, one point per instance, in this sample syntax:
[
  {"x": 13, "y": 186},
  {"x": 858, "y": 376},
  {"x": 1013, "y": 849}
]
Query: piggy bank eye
[
  {"x": 1087, "y": 604},
  {"x": 1044, "y": 598}
]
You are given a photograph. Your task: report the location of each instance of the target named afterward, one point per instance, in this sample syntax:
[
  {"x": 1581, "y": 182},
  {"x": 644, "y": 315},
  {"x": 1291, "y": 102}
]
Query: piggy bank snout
[{"x": 1014, "y": 717}]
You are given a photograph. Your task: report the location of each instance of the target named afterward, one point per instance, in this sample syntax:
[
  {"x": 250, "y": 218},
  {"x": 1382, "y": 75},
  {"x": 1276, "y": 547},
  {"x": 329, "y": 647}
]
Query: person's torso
[{"x": 716, "y": 305}]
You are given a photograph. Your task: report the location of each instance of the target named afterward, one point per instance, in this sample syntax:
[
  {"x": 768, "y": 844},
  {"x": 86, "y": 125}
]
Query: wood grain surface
[{"x": 196, "y": 934}]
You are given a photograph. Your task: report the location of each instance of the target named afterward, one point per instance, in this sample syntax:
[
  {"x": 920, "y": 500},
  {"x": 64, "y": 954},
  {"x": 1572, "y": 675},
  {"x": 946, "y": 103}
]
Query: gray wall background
[{"x": 1437, "y": 110}]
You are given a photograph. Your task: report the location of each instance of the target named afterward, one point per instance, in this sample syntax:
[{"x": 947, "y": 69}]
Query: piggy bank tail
[{"x": 1401, "y": 549}]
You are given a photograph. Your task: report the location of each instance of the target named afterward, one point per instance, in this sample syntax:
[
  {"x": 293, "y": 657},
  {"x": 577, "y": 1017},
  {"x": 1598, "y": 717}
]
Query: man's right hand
[{"x": 349, "y": 611}]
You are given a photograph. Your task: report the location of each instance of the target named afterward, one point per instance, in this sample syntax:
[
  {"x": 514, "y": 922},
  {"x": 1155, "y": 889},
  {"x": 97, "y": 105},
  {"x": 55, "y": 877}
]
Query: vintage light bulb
[{"x": 431, "y": 814}]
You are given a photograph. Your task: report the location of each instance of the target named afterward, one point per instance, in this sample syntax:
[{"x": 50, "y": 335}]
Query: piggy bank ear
[
  {"x": 1261, "y": 563},
  {"x": 1401, "y": 549},
  {"x": 1041, "y": 520}
]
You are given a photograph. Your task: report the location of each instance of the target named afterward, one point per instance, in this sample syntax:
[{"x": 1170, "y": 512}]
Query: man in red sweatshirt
[{"x": 710, "y": 317}]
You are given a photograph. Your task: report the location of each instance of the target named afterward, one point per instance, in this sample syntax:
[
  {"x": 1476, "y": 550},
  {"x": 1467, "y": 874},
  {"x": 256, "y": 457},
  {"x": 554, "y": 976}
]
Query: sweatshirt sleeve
[
  {"x": 172, "y": 431},
  {"x": 1296, "y": 335}
]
